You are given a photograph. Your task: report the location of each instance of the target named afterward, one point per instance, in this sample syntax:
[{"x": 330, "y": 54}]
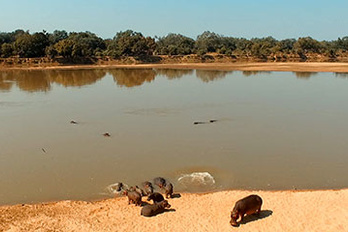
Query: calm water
[{"x": 274, "y": 130}]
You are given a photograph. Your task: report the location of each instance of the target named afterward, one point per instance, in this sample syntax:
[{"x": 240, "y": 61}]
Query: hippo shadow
[
  {"x": 176, "y": 195},
  {"x": 255, "y": 217},
  {"x": 169, "y": 210}
]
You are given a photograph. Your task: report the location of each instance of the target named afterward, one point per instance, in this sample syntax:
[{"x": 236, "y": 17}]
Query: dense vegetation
[{"x": 73, "y": 45}]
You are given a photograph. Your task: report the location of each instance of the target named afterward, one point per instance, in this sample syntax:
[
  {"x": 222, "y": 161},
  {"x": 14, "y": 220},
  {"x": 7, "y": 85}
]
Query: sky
[{"x": 322, "y": 20}]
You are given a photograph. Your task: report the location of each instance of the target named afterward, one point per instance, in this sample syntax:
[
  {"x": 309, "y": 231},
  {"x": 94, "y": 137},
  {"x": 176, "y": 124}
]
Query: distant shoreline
[{"x": 237, "y": 66}]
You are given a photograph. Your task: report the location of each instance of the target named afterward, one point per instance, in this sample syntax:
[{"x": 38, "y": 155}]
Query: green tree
[
  {"x": 17, "y": 33},
  {"x": 306, "y": 45},
  {"x": 22, "y": 45},
  {"x": 208, "y": 42},
  {"x": 81, "y": 44},
  {"x": 130, "y": 43},
  {"x": 263, "y": 47},
  {"x": 5, "y": 38},
  {"x": 175, "y": 44},
  {"x": 39, "y": 43},
  {"x": 341, "y": 44},
  {"x": 286, "y": 45},
  {"x": 27, "y": 45},
  {"x": 6, "y": 50},
  {"x": 228, "y": 45},
  {"x": 64, "y": 48},
  {"x": 86, "y": 44},
  {"x": 243, "y": 46},
  {"x": 57, "y": 36}
]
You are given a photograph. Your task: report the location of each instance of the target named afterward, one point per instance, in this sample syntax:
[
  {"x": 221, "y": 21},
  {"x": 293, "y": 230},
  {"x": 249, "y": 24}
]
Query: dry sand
[
  {"x": 323, "y": 210},
  {"x": 249, "y": 66}
]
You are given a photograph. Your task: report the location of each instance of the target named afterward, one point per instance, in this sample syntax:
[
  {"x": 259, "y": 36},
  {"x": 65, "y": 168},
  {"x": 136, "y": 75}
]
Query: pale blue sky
[{"x": 322, "y": 20}]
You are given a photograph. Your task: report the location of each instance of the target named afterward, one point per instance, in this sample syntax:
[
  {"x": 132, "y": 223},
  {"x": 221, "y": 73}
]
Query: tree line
[{"x": 129, "y": 43}]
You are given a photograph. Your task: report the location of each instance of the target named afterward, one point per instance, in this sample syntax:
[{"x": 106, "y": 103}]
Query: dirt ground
[{"x": 325, "y": 210}]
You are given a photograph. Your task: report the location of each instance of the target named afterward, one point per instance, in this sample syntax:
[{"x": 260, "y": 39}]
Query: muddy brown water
[{"x": 273, "y": 131}]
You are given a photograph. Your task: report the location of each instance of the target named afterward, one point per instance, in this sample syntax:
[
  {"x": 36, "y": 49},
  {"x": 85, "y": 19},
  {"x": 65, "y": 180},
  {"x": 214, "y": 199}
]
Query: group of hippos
[{"x": 246, "y": 206}]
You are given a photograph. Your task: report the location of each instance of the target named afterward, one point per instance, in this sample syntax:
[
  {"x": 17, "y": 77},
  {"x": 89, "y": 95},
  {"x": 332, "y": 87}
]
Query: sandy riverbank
[
  {"x": 282, "y": 211},
  {"x": 271, "y": 66}
]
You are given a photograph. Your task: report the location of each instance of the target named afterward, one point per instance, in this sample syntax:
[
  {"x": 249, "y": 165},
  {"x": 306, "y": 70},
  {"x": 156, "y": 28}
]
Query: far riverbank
[{"x": 254, "y": 66}]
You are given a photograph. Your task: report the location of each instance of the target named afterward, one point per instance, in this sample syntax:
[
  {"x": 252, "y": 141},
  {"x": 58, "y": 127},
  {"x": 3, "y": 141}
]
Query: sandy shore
[
  {"x": 270, "y": 66},
  {"x": 282, "y": 211}
]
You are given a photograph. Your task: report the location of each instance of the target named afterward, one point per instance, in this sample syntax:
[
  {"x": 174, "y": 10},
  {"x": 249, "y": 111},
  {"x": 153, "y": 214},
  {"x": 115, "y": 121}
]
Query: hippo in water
[{"x": 248, "y": 205}]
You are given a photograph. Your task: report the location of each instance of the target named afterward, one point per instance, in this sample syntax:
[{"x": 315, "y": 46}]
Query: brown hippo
[
  {"x": 248, "y": 205},
  {"x": 156, "y": 208},
  {"x": 137, "y": 189},
  {"x": 133, "y": 197},
  {"x": 168, "y": 189},
  {"x": 159, "y": 181},
  {"x": 148, "y": 188},
  {"x": 156, "y": 197}
]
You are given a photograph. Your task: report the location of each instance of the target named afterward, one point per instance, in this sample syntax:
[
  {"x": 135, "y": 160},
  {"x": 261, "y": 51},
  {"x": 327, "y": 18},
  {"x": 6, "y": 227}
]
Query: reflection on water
[
  {"x": 76, "y": 79},
  {"x": 211, "y": 75},
  {"x": 31, "y": 81},
  {"x": 342, "y": 75},
  {"x": 41, "y": 80},
  {"x": 253, "y": 73},
  {"x": 174, "y": 73},
  {"x": 272, "y": 131},
  {"x": 5, "y": 85},
  {"x": 132, "y": 77},
  {"x": 305, "y": 75}
]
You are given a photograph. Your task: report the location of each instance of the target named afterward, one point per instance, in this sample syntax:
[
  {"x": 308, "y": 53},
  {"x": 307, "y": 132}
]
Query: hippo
[
  {"x": 148, "y": 188},
  {"x": 119, "y": 186},
  {"x": 154, "y": 209},
  {"x": 248, "y": 205},
  {"x": 133, "y": 197},
  {"x": 117, "y": 189},
  {"x": 168, "y": 189},
  {"x": 159, "y": 181},
  {"x": 137, "y": 189},
  {"x": 156, "y": 197}
]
